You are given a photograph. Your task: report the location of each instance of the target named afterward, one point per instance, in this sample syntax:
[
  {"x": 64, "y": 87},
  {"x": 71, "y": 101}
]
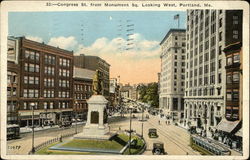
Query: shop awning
[
  {"x": 227, "y": 126},
  {"x": 239, "y": 132}
]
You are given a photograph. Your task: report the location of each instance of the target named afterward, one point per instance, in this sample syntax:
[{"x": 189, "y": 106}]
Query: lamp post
[
  {"x": 76, "y": 116},
  {"x": 33, "y": 148},
  {"x": 130, "y": 123}
]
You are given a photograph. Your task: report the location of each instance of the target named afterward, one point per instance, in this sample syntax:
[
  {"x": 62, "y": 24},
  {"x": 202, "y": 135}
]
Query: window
[
  {"x": 31, "y": 67},
  {"x": 219, "y": 63},
  {"x": 229, "y": 96},
  {"x": 175, "y": 63},
  {"x": 235, "y": 34},
  {"x": 235, "y": 96},
  {"x": 229, "y": 78},
  {"x": 220, "y": 36},
  {"x": 31, "y": 80},
  {"x": 235, "y": 19},
  {"x": 236, "y": 77},
  {"x": 220, "y": 50},
  {"x": 219, "y": 78},
  {"x": 220, "y": 22},
  {"x": 229, "y": 61},
  {"x": 25, "y": 93},
  {"x": 175, "y": 57},
  {"x": 236, "y": 58},
  {"x": 175, "y": 70},
  {"x": 25, "y": 79},
  {"x": 36, "y": 80}
]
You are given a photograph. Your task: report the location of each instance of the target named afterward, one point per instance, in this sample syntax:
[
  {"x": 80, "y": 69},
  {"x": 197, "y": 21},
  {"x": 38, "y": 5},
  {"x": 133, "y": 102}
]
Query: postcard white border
[{"x": 40, "y": 6}]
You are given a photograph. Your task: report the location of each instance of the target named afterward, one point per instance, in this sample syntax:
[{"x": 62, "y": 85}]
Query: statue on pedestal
[{"x": 97, "y": 84}]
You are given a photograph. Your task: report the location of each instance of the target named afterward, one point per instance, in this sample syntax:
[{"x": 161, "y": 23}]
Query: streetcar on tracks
[
  {"x": 209, "y": 146},
  {"x": 13, "y": 131}
]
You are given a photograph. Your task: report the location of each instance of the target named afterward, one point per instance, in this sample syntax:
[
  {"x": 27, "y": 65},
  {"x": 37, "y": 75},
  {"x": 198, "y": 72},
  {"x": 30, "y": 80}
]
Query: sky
[{"x": 127, "y": 40}]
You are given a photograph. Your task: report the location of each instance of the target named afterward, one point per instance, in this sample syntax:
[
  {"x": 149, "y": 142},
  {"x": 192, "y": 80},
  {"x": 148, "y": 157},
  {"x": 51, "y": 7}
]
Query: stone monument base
[{"x": 94, "y": 131}]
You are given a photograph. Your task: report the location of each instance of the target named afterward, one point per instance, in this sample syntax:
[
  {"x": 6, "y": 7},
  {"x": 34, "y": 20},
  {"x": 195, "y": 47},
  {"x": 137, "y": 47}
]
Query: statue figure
[{"x": 97, "y": 84}]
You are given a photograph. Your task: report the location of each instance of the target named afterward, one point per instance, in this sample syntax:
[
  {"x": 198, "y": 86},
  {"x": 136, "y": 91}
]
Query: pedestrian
[{"x": 159, "y": 122}]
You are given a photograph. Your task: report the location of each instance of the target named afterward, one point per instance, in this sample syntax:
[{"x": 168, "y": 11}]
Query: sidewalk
[{"x": 29, "y": 129}]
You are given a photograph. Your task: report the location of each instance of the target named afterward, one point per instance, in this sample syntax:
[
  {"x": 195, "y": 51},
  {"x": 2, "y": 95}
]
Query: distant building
[
  {"x": 95, "y": 63},
  {"x": 114, "y": 92},
  {"x": 172, "y": 76},
  {"x": 126, "y": 91},
  {"x": 83, "y": 79},
  {"x": 45, "y": 82}
]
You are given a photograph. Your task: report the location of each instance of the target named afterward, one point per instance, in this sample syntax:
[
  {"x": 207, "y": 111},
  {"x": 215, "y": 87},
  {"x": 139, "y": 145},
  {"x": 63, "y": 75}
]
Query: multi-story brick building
[
  {"x": 83, "y": 79},
  {"x": 95, "y": 63},
  {"x": 173, "y": 73},
  {"x": 45, "y": 84},
  {"x": 208, "y": 32},
  {"x": 13, "y": 81}
]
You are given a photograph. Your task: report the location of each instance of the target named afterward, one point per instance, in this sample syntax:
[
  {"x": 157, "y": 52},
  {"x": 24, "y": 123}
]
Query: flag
[{"x": 176, "y": 16}]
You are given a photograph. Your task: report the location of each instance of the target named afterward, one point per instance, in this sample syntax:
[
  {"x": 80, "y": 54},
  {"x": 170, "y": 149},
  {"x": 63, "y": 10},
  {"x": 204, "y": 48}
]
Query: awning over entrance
[
  {"x": 227, "y": 126},
  {"x": 239, "y": 133}
]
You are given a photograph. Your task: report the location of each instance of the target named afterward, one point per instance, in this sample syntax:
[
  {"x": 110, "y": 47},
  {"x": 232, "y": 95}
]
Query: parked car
[
  {"x": 152, "y": 133},
  {"x": 158, "y": 148}
]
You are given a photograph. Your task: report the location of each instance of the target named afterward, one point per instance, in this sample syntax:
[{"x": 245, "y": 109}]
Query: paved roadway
[{"x": 175, "y": 139}]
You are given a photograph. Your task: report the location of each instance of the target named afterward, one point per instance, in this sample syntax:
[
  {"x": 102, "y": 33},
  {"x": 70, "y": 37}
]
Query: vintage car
[
  {"x": 158, "y": 148},
  {"x": 152, "y": 133}
]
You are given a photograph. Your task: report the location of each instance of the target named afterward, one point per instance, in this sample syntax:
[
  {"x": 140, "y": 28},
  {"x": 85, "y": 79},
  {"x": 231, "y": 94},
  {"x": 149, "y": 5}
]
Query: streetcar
[
  {"x": 13, "y": 131},
  {"x": 212, "y": 148}
]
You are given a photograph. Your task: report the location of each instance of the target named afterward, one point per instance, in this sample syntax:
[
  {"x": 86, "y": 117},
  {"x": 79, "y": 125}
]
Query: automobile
[
  {"x": 158, "y": 148},
  {"x": 152, "y": 133}
]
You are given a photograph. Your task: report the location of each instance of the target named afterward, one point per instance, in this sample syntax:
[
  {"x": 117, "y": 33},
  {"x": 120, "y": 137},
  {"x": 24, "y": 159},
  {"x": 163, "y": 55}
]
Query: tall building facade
[
  {"x": 208, "y": 32},
  {"x": 83, "y": 79},
  {"x": 95, "y": 63},
  {"x": 13, "y": 81},
  {"x": 172, "y": 74},
  {"x": 45, "y": 83}
]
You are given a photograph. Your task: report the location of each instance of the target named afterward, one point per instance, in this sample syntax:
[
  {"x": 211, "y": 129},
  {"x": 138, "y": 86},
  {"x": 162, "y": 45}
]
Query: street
[{"x": 175, "y": 139}]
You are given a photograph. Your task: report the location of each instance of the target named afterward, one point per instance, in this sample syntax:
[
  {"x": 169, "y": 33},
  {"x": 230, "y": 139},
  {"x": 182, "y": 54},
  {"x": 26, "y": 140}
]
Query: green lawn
[{"x": 117, "y": 143}]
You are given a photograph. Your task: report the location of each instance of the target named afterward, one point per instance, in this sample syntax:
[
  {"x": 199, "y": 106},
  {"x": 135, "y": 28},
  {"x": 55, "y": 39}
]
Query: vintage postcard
[{"x": 124, "y": 79}]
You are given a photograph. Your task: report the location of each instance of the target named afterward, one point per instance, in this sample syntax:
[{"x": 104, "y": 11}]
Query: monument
[{"x": 96, "y": 126}]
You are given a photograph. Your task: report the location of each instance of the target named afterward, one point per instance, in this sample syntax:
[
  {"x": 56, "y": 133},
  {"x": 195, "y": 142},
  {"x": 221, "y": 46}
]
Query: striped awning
[{"x": 227, "y": 126}]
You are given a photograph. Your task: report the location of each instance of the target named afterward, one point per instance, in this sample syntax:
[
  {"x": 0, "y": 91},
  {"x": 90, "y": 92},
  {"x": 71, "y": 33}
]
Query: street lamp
[
  {"x": 76, "y": 117},
  {"x": 130, "y": 123},
  {"x": 32, "y": 106}
]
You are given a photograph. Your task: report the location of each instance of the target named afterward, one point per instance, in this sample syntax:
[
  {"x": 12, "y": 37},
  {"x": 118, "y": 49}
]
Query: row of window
[
  {"x": 232, "y": 95},
  {"x": 63, "y": 94},
  {"x": 31, "y": 67},
  {"x": 64, "y": 62},
  {"x": 63, "y": 83},
  {"x": 233, "y": 58},
  {"x": 31, "y": 80},
  {"x": 49, "y": 70},
  {"x": 30, "y": 93},
  {"x": 198, "y": 92},
  {"x": 64, "y": 72},
  {"x": 32, "y": 55},
  {"x": 49, "y": 59},
  {"x": 46, "y": 105},
  {"x": 79, "y": 87},
  {"x": 233, "y": 77},
  {"x": 49, "y": 82},
  {"x": 81, "y": 96},
  {"x": 48, "y": 93},
  {"x": 212, "y": 80}
]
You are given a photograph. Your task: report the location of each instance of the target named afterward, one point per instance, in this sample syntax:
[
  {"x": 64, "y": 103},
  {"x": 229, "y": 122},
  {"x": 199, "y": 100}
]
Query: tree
[{"x": 149, "y": 94}]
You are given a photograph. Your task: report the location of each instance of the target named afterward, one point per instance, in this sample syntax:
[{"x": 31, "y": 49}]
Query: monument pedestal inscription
[{"x": 96, "y": 126}]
